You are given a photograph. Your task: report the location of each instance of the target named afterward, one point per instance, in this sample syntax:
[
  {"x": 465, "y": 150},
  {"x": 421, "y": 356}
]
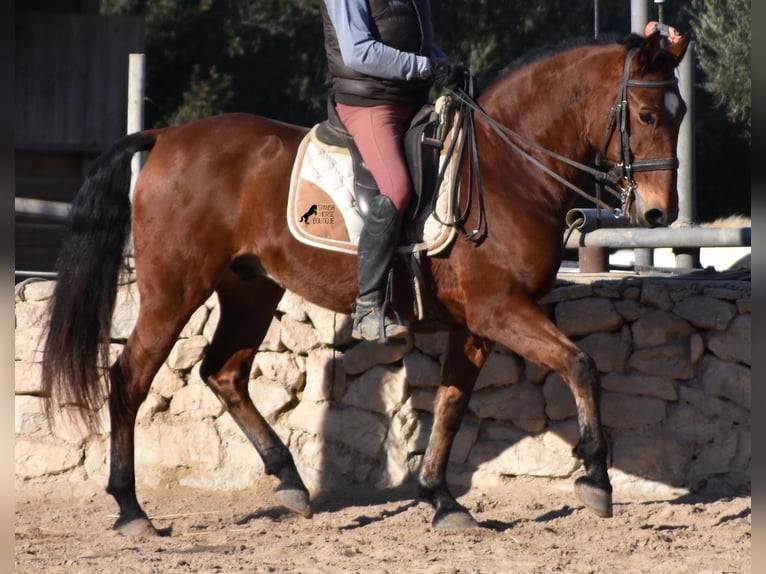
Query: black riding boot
[{"x": 377, "y": 242}]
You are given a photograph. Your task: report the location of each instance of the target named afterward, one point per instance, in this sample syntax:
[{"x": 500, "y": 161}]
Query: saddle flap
[{"x": 422, "y": 148}]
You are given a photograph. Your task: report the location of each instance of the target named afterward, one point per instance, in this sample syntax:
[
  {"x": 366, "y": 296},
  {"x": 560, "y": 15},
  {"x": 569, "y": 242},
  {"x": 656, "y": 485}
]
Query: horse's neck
[{"x": 553, "y": 103}]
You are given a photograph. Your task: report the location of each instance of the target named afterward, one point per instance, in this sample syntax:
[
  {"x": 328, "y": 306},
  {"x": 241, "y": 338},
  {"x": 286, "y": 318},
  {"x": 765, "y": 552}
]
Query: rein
[
  {"x": 464, "y": 135},
  {"x": 617, "y": 178}
]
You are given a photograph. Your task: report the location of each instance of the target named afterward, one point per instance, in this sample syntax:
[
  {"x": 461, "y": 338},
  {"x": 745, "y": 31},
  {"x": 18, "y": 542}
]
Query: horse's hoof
[
  {"x": 454, "y": 520},
  {"x": 135, "y": 527},
  {"x": 595, "y": 498},
  {"x": 295, "y": 500}
]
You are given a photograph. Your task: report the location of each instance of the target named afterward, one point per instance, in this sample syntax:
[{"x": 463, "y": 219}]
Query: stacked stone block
[{"x": 674, "y": 357}]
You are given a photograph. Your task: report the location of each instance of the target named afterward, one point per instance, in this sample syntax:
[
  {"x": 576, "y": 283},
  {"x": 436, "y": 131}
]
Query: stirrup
[
  {"x": 367, "y": 326},
  {"x": 399, "y": 330}
]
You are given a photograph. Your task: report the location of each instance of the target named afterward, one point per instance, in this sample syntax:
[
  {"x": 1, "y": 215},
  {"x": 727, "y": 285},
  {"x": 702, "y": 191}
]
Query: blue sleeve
[{"x": 363, "y": 53}]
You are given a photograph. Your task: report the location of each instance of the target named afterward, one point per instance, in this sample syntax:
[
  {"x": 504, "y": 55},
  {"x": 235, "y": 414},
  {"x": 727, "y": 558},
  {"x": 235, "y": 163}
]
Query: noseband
[
  {"x": 616, "y": 177},
  {"x": 621, "y": 172}
]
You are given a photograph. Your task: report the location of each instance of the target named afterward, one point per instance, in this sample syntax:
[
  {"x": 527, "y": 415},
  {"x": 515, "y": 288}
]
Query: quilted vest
[{"x": 401, "y": 24}]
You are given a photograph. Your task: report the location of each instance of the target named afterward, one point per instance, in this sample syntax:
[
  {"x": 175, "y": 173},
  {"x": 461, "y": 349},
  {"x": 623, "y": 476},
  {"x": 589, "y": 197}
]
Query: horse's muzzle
[
  {"x": 645, "y": 215},
  {"x": 655, "y": 218}
]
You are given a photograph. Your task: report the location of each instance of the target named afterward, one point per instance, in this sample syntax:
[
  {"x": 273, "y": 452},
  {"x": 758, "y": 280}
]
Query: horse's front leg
[
  {"x": 533, "y": 335},
  {"x": 463, "y": 361}
]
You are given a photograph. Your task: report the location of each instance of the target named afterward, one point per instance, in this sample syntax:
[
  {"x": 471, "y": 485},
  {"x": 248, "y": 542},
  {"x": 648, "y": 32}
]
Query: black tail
[{"x": 76, "y": 351}]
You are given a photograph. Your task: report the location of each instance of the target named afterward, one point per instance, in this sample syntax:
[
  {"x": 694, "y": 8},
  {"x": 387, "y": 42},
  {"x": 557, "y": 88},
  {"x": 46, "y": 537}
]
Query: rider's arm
[{"x": 363, "y": 53}]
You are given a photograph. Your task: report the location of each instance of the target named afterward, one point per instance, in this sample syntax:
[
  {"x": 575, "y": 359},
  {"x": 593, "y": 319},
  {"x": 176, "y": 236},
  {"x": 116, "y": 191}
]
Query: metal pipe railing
[
  {"x": 683, "y": 237},
  {"x": 40, "y": 208}
]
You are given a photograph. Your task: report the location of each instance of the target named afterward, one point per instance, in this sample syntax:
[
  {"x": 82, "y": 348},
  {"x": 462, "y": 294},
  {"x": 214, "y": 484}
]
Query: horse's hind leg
[
  {"x": 247, "y": 309},
  {"x": 465, "y": 356},
  {"x": 159, "y": 322}
]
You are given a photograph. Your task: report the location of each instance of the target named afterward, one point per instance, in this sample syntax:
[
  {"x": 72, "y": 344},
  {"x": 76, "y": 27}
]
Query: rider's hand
[
  {"x": 668, "y": 32},
  {"x": 448, "y": 73}
]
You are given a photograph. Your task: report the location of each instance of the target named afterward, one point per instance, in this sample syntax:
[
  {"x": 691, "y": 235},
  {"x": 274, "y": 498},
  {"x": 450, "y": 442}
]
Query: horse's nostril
[{"x": 655, "y": 218}]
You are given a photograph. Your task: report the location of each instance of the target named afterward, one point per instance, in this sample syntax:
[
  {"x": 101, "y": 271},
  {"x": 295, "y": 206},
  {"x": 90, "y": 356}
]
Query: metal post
[
  {"x": 135, "y": 123},
  {"x": 593, "y": 259},
  {"x": 136, "y": 65},
  {"x": 686, "y": 165},
  {"x": 687, "y": 203},
  {"x": 643, "y": 257},
  {"x": 639, "y": 16},
  {"x": 596, "y": 19}
]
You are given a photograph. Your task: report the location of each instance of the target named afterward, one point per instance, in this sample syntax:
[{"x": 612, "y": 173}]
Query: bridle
[
  {"x": 621, "y": 172},
  {"x": 616, "y": 177}
]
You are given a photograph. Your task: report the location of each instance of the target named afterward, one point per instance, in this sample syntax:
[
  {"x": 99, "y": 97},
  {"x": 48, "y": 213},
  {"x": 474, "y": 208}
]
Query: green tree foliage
[
  {"x": 213, "y": 56},
  {"x": 487, "y": 35},
  {"x": 266, "y": 57},
  {"x": 722, "y": 30}
]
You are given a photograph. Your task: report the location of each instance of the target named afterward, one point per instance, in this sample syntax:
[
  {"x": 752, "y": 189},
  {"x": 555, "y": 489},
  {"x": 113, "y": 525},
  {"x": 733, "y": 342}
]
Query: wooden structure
[{"x": 71, "y": 78}]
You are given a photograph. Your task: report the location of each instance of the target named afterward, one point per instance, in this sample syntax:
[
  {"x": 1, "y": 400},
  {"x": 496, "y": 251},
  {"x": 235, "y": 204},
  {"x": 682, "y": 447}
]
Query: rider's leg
[{"x": 378, "y": 132}]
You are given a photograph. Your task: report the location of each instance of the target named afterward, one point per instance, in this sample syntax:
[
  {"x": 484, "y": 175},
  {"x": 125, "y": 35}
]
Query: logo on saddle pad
[
  {"x": 305, "y": 217},
  {"x": 319, "y": 214},
  {"x": 322, "y": 209}
]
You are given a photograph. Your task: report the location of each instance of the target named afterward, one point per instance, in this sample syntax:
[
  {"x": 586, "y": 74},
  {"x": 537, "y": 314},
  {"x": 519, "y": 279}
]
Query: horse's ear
[
  {"x": 678, "y": 48},
  {"x": 655, "y": 43}
]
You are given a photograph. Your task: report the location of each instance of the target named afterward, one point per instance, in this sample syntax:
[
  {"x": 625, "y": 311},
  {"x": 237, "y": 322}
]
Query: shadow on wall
[
  {"x": 674, "y": 356},
  {"x": 676, "y": 396}
]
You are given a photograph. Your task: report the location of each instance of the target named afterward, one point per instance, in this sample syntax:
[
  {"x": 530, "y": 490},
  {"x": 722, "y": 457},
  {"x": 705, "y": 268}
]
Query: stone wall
[{"x": 674, "y": 356}]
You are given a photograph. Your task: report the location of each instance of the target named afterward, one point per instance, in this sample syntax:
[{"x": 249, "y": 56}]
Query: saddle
[
  {"x": 423, "y": 142},
  {"x": 331, "y": 189}
]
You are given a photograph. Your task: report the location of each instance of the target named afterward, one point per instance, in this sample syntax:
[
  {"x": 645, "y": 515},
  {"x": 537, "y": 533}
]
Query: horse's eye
[{"x": 646, "y": 118}]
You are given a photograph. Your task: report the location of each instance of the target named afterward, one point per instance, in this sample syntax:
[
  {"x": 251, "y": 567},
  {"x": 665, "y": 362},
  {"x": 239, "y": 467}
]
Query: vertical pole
[
  {"x": 644, "y": 257},
  {"x": 686, "y": 165},
  {"x": 687, "y": 201},
  {"x": 135, "y": 123},
  {"x": 639, "y": 16},
  {"x": 593, "y": 259},
  {"x": 136, "y": 64},
  {"x": 596, "y": 19}
]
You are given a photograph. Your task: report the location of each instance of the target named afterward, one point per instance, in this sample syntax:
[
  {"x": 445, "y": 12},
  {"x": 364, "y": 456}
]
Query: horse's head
[{"x": 643, "y": 133}]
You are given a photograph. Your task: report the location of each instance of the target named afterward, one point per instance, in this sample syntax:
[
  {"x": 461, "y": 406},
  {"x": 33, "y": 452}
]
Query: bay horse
[{"x": 208, "y": 216}]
